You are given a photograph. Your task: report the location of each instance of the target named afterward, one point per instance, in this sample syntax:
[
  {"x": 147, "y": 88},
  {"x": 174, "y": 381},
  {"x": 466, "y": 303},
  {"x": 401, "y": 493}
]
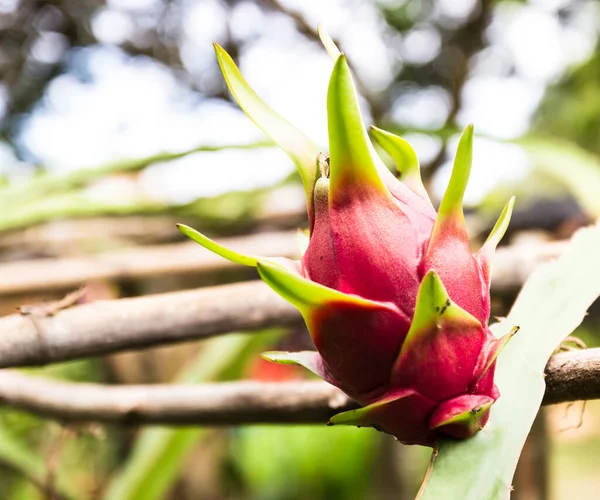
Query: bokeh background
[{"x": 115, "y": 123}]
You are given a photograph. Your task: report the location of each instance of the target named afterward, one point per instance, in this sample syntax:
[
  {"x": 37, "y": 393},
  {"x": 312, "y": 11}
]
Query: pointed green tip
[
  {"x": 502, "y": 341},
  {"x": 299, "y": 148},
  {"x": 328, "y": 43},
  {"x": 225, "y": 62},
  {"x": 433, "y": 292},
  {"x": 432, "y": 302},
  {"x": 450, "y": 222},
  {"x": 351, "y": 154},
  {"x": 501, "y": 225},
  {"x": 405, "y": 159},
  {"x": 434, "y": 307},
  {"x": 497, "y": 348},
  {"x": 213, "y": 246},
  {"x": 453, "y": 197},
  {"x": 350, "y": 417},
  {"x": 311, "y": 360},
  {"x": 367, "y": 416},
  {"x": 401, "y": 151},
  {"x": 469, "y": 419},
  {"x": 280, "y": 357},
  {"x": 485, "y": 254}
]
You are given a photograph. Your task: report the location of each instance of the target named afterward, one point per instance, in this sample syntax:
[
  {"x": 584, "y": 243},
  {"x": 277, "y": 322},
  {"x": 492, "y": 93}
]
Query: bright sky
[{"x": 133, "y": 108}]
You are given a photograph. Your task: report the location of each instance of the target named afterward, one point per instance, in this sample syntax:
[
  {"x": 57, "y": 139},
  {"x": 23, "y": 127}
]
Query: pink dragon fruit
[{"x": 396, "y": 304}]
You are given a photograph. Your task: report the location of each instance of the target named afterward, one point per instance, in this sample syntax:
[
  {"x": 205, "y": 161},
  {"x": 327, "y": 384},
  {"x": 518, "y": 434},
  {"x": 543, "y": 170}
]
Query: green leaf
[
  {"x": 301, "y": 150},
  {"x": 351, "y": 154},
  {"x": 552, "y": 303},
  {"x": 213, "y": 246}
]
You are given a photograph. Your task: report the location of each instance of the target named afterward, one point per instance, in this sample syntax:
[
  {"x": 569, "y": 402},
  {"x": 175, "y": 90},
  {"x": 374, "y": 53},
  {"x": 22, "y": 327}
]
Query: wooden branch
[
  {"x": 573, "y": 376},
  {"x": 178, "y": 258},
  {"x": 60, "y": 237},
  {"x": 115, "y": 325},
  {"x": 110, "y": 326},
  {"x": 513, "y": 264},
  {"x": 570, "y": 376},
  {"x": 230, "y": 403},
  {"x": 511, "y": 268}
]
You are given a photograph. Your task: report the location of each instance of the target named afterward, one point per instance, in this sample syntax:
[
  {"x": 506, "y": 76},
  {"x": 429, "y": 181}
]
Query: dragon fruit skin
[{"x": 395, "y": 302}]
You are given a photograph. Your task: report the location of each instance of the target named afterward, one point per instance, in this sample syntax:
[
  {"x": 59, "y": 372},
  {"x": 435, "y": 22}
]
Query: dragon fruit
[{"x": 395, "y": 302}]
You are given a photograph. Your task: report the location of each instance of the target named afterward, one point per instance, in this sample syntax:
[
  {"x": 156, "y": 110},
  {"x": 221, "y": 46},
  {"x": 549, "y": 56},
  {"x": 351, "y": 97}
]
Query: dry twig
[
  {"x": 177, "y": 258},
  {"x": 570, "y": 376},
  {"x": 115, "y": 325}
]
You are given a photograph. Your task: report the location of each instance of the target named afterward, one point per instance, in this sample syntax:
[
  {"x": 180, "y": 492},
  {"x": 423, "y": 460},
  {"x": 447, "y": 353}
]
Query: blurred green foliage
[
  {"x": 298, "y": 462},
  {"x": 571, "y": 107}
]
